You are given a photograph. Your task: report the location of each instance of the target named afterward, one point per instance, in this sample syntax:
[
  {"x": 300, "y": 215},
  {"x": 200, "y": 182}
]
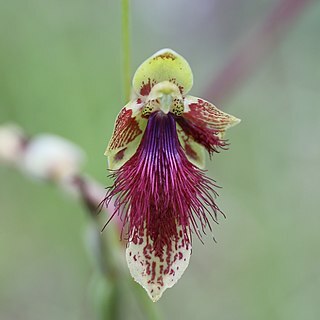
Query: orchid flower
[{"x": 157, "y": 157}]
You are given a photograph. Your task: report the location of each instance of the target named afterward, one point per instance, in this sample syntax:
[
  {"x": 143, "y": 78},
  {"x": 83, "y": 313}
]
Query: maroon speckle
[
  {"x": 146, "y": 87},
  {"x": 153, "y": 272},
  {"x": 167, "y": 55},
  {"x": 180, "y": 87},
  {"x": 148, "y": 269},
  {"x": 119, "y": 155}
]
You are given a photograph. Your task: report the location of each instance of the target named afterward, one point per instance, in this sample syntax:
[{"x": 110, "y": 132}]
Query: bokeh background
[{"x": 60, "y": 72}]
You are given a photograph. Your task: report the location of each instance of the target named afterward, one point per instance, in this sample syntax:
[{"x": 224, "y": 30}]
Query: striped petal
[
  {"x": 157, "y": 272},
  {"x": 127, "y": 134},
  {"x": 203, "y": 113},
  {"x": 164, "y": 65}
]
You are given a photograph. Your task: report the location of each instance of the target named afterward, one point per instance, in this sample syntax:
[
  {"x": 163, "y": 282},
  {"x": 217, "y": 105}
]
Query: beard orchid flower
[{"x": 157, "y": 156}]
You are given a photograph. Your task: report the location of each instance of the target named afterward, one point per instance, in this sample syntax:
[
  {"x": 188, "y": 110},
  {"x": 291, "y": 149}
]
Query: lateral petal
[
  {"x": 127, "y": 134},
  {"x": 193, "y": 150},
  {"x": 164, "y": 65},
  {"x": 155, "y": 271},
  {"x": 204, "y": 113},
  {"x": 205, "y": 123}
]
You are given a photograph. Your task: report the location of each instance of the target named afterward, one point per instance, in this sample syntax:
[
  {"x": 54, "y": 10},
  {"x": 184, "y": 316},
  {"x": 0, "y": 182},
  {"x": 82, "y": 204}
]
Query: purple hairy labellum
[{"x": 156, "y": 155}]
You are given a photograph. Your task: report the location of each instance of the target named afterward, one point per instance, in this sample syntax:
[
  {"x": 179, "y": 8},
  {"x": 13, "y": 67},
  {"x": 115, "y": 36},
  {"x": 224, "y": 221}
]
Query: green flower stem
[{"x": 126, "y": 49}]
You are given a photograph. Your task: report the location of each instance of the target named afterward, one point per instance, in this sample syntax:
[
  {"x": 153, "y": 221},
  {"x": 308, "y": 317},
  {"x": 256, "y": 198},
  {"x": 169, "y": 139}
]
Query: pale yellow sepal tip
[{"x": 235, "y": 121}]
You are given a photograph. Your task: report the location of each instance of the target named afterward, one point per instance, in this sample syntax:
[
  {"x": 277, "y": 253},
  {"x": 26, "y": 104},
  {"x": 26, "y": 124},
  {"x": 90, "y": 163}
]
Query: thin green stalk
[{"x": 126, "y": 48}]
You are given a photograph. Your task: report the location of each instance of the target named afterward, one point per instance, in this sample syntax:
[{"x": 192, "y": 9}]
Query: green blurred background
[{"x": 60, "y": 72}]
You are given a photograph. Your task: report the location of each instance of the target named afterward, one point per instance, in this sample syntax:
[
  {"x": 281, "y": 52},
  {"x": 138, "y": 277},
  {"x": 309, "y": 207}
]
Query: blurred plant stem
[
  {"x": 105, "y": 298},
  {"x": 126, "y": 48},
  {"x": 105, "y": 289},
  {"x": 107, "y": 295},
  {"x": 252, "y": 52}
]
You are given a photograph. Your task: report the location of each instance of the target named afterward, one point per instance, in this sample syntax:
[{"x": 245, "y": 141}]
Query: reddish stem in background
[{"x": 240, "y": 66}]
